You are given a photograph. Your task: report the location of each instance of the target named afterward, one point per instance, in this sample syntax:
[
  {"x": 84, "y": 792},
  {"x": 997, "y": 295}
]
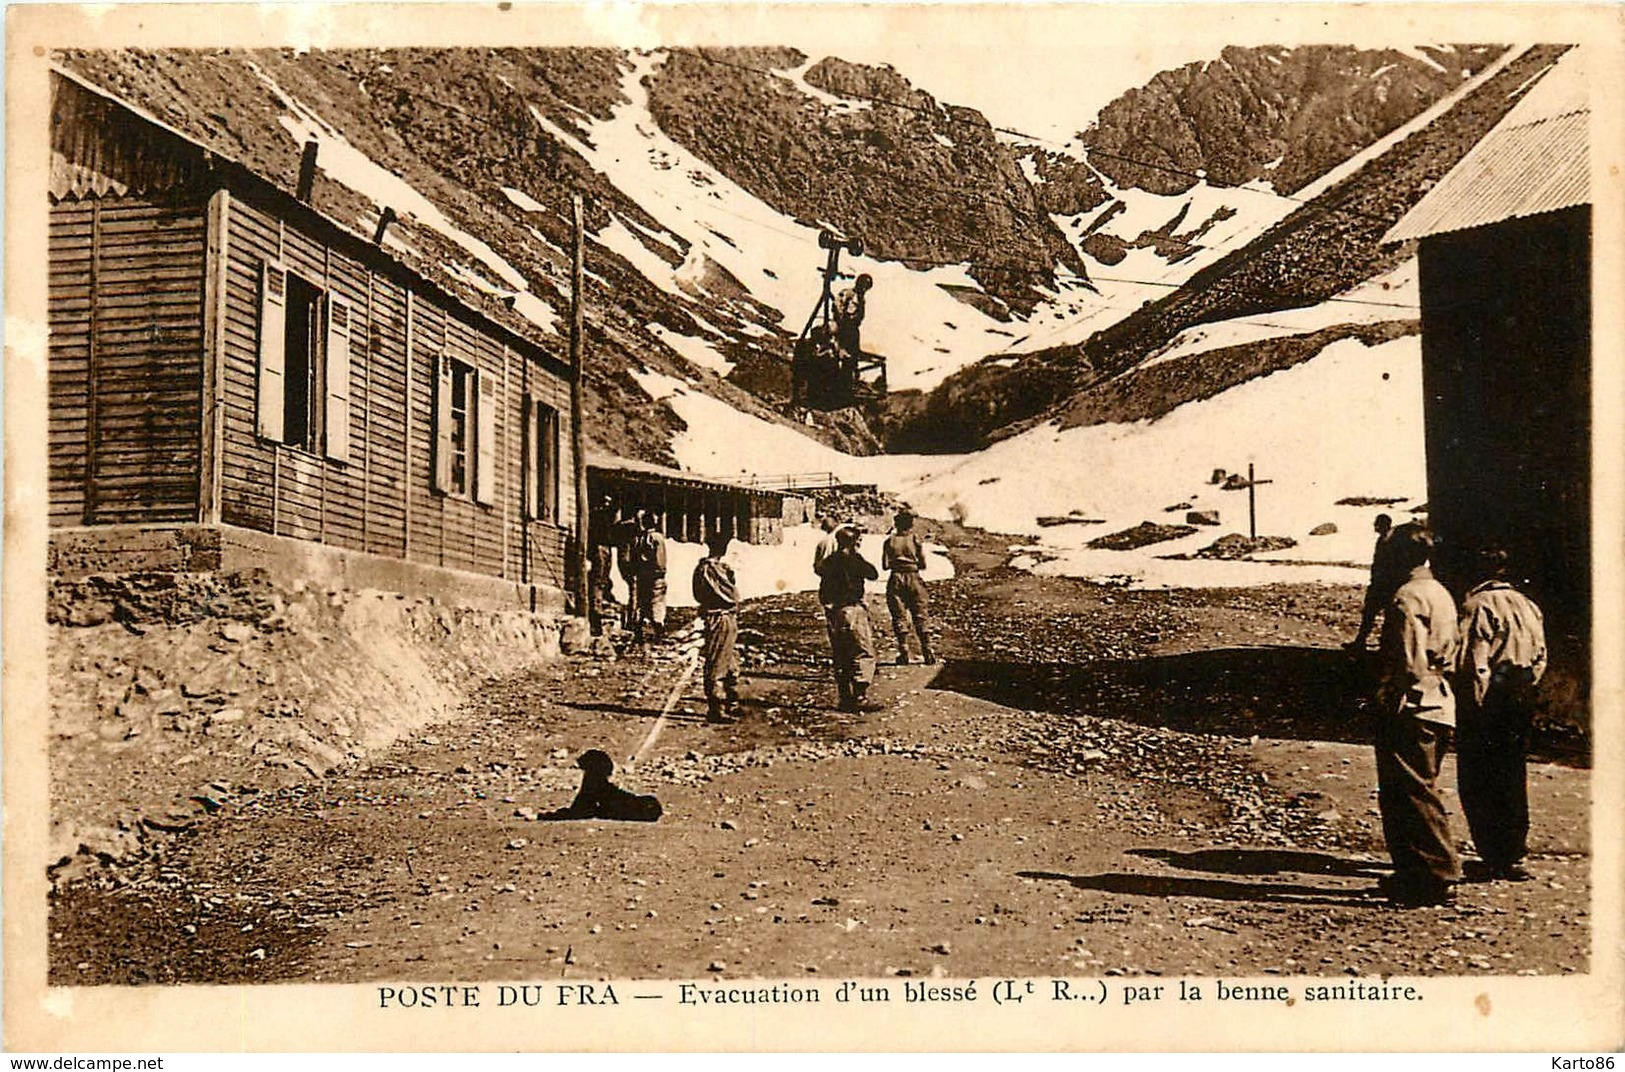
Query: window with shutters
[
  {"x": 462, "y": 405},
  {"x": 541, "y": 423},
  {"x": 304, "y": 370},
  {"x": 301, "y": 424},
  {"x": 465, "y": 432}
]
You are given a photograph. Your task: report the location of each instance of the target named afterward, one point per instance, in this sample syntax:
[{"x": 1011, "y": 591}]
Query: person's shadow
[
  {"x": 1265, "y": 862},
  {"x": 1288, "y": 692},
  {"x": 1208, "y": 888}
]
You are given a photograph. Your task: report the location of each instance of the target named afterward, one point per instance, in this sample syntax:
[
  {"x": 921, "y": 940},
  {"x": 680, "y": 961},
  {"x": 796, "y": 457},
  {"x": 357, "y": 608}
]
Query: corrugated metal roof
[{"x": 1537, "y": 159}]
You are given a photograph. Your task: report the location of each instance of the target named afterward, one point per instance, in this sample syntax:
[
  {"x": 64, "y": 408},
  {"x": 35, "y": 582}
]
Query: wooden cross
[{"x": 1252, "y": 502}]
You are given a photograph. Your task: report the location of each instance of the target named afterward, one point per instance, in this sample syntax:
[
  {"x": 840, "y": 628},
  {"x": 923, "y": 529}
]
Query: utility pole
[{"x": 578, "y": 432}]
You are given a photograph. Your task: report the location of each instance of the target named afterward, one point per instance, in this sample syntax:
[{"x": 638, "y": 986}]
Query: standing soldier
[
  {"x": 1503, "y": 658},
  {"x": 627, "y": 531},
  {"x": 1415, "y": 714},
  {"x": 851, "y": 637},
  {"x": 1384, "y": 581},
  {"x": 601, "y": 541},
  {"x": 649, "y": 577},
  {"x": 904, "y": 555},
  {"x": 717, "y": 596},
  {"x": 850, "y": 305},
  {"x": 826, "y": 542}
]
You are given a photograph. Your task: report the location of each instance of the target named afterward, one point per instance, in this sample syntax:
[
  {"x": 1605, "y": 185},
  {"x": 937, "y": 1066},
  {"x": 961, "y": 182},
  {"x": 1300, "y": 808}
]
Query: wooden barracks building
[{"x": 236, "y": 379}]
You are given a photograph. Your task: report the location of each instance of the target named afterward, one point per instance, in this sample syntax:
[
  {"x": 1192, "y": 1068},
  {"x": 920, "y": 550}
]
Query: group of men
[
  {"x": 1472, "y": 675},
  {"x": 636, "y": 542},
  {"x": 843, "y": 573}
]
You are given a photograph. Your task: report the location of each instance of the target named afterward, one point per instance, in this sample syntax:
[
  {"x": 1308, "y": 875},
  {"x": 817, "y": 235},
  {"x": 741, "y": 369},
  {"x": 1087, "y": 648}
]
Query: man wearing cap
[
  {"x": 649, "y": 579},
  {"x": 1503, "y": 658},
  {"x": 904, "y": 556},
  {"x": 851, "y": 637},
  {"x": 717, "y": 596},
  {"x": 1415, "y": 716}
]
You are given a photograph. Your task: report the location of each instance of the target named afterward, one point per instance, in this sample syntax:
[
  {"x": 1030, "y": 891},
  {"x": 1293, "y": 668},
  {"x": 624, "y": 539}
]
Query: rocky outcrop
[{"x": 1284, "y": 115}]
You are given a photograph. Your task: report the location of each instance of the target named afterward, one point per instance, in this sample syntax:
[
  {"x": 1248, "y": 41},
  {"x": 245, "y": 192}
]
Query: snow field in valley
[{"x": 1346, "y": 423}]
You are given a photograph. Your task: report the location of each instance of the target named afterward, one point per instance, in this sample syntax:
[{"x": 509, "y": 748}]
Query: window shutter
[
  {"x": 442, "y": 425},
  {"x": 550, "y": 475},
  {"x": 528, "y": 459},
  {"x": 273, "y": 356},
  {"x": 337, "y": 413},
  {"x": 485, "y": 438}
]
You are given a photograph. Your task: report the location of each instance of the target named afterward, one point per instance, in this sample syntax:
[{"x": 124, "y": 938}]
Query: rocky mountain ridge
[{"x": 775, "y": 145}]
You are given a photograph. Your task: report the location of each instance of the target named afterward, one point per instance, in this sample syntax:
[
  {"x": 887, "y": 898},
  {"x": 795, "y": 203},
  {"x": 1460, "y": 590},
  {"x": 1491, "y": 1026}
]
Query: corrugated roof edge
[
  {"x": 612, "y": 463},
  {"x": 1530, "y": 163}
]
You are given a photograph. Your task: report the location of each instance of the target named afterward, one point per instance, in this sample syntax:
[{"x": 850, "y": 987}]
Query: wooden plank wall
[
  {"x": 126, "y": 360},
  {"x": 382, "y": 500}
]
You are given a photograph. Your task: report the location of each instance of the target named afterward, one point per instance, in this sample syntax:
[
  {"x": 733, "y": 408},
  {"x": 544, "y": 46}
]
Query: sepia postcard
[{"x": 881, "y": 527}]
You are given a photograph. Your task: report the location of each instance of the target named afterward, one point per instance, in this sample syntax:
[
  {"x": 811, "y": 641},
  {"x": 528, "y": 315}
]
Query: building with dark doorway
[
  {"x": 237, "y": 379},
  {"x": 1505, "y": 251},
  {"x": 691, "y": 507}
]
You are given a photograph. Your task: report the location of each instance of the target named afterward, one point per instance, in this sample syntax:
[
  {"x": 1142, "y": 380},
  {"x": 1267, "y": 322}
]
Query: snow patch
[
  {"x": 523, "y": 201},
  {"x": 535, "y": 310},
  {"x": 1394, "y": 295},
  {"x": 624, "y": 244},
  {"x": 695, "y": 351},
  {"x": 1416, "y": 53},
  {"x": 797, "y": 77}
]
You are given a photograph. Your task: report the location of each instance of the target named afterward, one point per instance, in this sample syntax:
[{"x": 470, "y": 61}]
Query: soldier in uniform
[
  {"x": 851, "y": 636},
  {"x": 717, "y": 596},
  {"x": 1383, "y": 582},
  {"x": 1503, "y": 658},
  {"x": 601, "y": 559},
  {"x": 904, "y": 556},
  {"x": 850, "y": 305},
  {"x": 1415, "y": 716},
  {"x": 649, "y": 579}
]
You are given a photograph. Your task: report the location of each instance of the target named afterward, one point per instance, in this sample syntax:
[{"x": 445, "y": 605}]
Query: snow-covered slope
[
  {"x": 1347, "y": 423},
  {"x": 925, "y": 331},
  {"x": 1389, "y": 296}
]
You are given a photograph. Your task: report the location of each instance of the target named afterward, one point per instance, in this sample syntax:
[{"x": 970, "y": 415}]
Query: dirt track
[{"x": 1096, "y": 782}]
